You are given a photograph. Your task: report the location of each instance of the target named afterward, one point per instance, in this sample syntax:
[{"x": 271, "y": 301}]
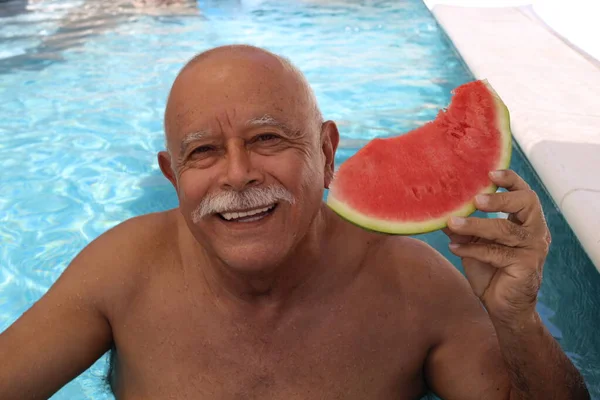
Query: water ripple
[{"x": 83, "y": 86}]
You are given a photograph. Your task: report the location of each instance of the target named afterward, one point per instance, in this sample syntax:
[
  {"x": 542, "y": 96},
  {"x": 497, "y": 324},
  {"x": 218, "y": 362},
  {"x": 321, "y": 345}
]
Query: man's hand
[
  {"x": 503, "y": 258},
  {"x": 503, "y": 261}
]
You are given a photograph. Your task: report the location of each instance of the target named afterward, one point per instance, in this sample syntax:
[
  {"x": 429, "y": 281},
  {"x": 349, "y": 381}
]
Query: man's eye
[
  {"x": 202, "y": 149},
  {"x": 266, "y": 137}
]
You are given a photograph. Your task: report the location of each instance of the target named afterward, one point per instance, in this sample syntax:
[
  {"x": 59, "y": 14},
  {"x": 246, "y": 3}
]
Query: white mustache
[{"x": 231, "y": 200}]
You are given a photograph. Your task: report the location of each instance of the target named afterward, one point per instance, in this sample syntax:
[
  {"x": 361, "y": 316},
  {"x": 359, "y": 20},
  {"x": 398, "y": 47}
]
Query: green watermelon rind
[{"x": 431, "y": 225}]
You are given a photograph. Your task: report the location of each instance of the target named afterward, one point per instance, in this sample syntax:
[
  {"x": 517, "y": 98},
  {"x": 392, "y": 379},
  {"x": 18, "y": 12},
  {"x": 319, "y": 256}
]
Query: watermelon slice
[{"x": 414, "y": 182}]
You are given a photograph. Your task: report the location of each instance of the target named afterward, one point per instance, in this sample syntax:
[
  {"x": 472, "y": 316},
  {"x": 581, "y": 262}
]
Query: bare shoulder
[
  {"x": 428, "y": 278},
  {"x": 451, "y": 322},
  {"x": 415, "y": 261},
  {"x": 71, "y": 325},
  {"x": 451, "y": 319},
  {"x": 130, "y": 241},
  {"x": 136, "y": 237},
  {"x": 114, "y": 261}
]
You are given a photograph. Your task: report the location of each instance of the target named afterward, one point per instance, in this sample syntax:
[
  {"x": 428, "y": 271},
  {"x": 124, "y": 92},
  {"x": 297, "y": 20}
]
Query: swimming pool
[{"x": 82, "y": 90}]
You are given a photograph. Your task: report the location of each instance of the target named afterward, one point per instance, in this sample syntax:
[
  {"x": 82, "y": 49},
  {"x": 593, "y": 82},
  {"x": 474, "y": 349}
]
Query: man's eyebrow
[
  {"x": 192, "y": 137},
  {"x": 267, "y": 120}
]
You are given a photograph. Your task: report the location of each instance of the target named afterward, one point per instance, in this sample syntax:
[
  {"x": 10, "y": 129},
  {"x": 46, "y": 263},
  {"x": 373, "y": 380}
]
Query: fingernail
[
  {"x": 457, "y": 221},
  {"x": 496, "y": 174},
  {"x": 482, "y": 199},
  {"x": 454, "y": 245}
]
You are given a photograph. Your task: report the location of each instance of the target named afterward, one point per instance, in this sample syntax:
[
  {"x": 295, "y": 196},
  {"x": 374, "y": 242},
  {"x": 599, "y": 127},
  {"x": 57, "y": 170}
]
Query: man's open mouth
[{"x": 247, "y": 215}]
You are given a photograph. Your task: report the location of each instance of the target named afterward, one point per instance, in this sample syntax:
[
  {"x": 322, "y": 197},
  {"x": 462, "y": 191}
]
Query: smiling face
[{"x": 249, "y": 156}]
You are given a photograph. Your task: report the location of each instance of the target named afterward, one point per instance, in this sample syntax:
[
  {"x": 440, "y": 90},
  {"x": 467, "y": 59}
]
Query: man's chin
[
  {"x": 255, "y": 244},
  {"x": 252, "y": 258}
]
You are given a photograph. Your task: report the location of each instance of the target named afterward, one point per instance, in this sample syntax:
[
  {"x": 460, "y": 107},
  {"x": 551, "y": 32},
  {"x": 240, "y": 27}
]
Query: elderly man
[{"x": 253, "y": 288}]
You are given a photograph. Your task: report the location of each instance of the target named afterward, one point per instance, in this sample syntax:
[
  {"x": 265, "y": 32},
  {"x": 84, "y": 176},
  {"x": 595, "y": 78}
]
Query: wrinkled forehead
[{"x": 209, "y": 95}]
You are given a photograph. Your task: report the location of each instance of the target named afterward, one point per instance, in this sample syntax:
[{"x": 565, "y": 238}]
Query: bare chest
[{"x": 342, "y": 348}]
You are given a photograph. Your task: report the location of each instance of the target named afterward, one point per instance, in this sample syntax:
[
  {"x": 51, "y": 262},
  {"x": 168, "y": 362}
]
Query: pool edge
[{"x": 560, "y": 161}]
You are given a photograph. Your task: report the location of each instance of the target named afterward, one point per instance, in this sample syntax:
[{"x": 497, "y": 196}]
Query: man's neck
[{"x": 270, "y": 292}]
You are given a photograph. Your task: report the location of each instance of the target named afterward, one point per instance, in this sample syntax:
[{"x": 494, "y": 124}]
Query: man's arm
[
  {"x": 67, "y": 330},
  {"x": 537, "y": 365},
  {"x": 478, "y": 357}
]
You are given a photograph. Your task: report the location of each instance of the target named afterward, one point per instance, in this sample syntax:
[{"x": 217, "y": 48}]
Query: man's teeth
[{"x": 229, "y": 216}]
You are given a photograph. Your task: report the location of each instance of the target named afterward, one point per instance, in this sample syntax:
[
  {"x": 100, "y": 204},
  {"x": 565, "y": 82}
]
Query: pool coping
[{"x": 550, "y": 88}]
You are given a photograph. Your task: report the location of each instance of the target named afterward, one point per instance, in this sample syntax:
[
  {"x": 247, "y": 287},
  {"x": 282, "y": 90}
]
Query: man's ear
[
  {"x": 329, "y": 142},
  {"x": 164, "y": 161}
]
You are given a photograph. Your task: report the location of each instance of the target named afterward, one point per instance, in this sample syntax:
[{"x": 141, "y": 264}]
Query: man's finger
[
  {"x": 451, "y": 235},
  {"x": 457, "y": 238},
  {"x": 524, "y": 204},
  {"x": 496, "y": 255},
  {"x": 497, "y": 230},
  {"x": 509, "y": 180}
]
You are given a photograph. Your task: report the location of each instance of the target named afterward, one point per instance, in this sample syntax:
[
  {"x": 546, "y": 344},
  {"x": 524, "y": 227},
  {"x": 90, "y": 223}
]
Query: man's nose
[{"x": 240, "y": 171}]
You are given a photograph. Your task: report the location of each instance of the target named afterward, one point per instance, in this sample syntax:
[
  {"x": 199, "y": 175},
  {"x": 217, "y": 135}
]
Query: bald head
[
  {"x": 247, "y": 52},
  {"x": 231, "y": 79}
]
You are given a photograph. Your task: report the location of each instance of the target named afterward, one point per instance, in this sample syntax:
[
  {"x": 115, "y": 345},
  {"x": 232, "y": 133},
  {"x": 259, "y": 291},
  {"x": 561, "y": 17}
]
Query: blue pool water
[{"x": 82, "y": 91}]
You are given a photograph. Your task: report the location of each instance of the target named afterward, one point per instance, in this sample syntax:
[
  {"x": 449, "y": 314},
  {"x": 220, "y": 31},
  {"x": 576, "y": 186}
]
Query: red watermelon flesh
[{"x": 414, "y": 182}]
